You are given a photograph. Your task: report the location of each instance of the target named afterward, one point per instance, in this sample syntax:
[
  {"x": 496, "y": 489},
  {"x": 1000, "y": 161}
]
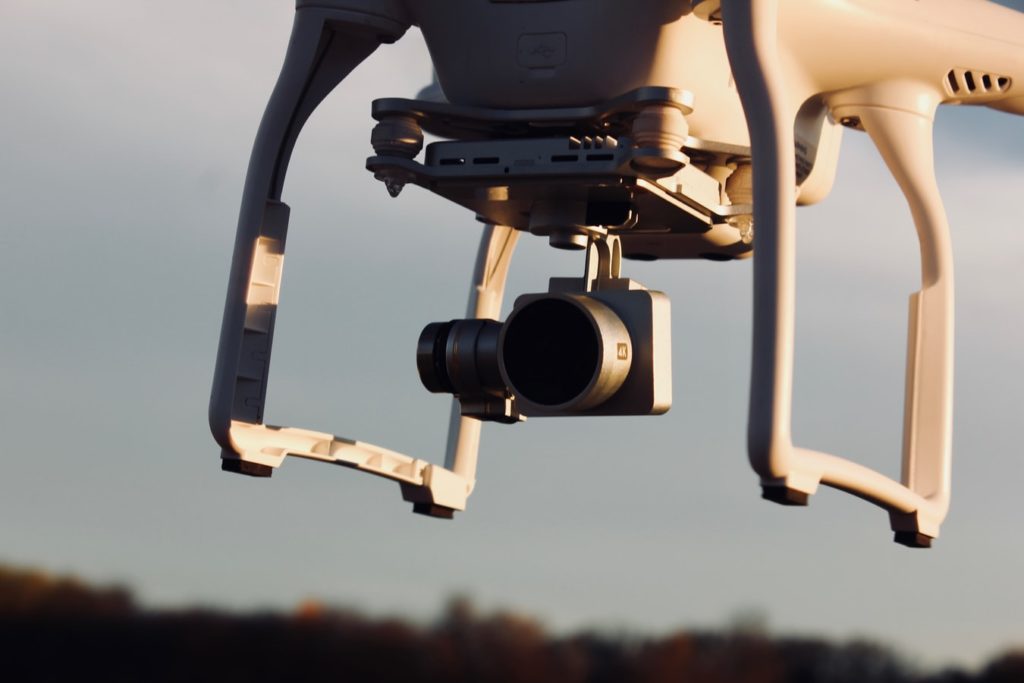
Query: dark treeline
[{"x": 60, "y": 629}]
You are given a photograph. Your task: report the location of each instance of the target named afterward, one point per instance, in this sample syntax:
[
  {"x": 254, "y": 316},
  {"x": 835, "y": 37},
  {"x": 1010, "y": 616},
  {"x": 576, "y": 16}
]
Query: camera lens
[
  {"x": 565, "y": 352},
  {"x": 460, "y": 357},
  {"x": 430, "y": 360}
]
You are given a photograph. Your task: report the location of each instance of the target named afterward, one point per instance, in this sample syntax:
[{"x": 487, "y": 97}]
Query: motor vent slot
[{"x": 975, "y": 83}]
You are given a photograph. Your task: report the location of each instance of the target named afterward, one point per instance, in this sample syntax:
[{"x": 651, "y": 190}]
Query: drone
[{"x": 651, "y": 130}]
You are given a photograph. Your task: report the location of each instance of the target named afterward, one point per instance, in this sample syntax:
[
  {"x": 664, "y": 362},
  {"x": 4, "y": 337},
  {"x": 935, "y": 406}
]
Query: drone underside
[
  {"x": 654, "y": 129},
  {"x": 571, "y": 173}
]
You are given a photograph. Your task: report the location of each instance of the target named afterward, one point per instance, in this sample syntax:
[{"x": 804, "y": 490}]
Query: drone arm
[{"x": 325, "y": 45}]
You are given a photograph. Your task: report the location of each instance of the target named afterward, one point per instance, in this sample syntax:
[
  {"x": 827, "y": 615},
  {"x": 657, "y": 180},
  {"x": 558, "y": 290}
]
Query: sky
[{"x": 125, "y": 131}]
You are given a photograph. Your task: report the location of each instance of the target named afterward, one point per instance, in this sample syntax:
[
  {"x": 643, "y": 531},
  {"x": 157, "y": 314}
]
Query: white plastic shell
[
  {"x": 797, "y": 66},
  {"x": 326, "y": 44},
  {"x": 785, "y": 53}
]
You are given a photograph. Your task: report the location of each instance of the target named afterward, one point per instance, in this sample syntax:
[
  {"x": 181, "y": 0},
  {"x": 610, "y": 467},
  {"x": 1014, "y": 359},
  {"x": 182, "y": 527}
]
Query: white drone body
[{"x": 651, "y": 129}]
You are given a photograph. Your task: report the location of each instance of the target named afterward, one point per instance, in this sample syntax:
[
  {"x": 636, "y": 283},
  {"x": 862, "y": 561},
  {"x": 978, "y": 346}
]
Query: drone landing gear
[
  {"x": 917, "y": 503},
  {"x": 433, "y": 490},
  {"x": 326, "y": 44}
]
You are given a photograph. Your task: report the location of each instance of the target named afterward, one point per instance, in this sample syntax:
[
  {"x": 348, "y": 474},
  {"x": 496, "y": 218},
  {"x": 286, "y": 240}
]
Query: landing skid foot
[
  {"x": 251, "y": 469},
  {"x": 431, "y": 510},
  {"x": 913, "y": 539},
  {"x": 785, "y": 496}
]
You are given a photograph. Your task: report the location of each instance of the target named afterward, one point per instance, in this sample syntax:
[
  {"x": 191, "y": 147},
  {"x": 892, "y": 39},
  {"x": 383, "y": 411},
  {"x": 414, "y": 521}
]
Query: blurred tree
[{"x": 61, "y": 629}]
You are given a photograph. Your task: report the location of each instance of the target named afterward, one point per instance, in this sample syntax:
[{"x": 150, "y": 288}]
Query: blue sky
[{"x": 126, "y": 129}]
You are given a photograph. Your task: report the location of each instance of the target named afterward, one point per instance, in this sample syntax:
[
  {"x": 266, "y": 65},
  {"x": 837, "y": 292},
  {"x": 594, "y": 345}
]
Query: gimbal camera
[{"x": 654, "y": 130}]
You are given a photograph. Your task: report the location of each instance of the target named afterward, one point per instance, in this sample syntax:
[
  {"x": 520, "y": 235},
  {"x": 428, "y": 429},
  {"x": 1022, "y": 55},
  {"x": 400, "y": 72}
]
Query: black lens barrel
[
  {"x": 560, "y": 353},
  {"x": 460, "y": 357}
]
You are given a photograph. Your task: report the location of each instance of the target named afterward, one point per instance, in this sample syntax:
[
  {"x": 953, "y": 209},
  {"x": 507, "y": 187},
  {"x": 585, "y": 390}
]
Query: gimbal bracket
[{"x": 627, "y": 165}]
